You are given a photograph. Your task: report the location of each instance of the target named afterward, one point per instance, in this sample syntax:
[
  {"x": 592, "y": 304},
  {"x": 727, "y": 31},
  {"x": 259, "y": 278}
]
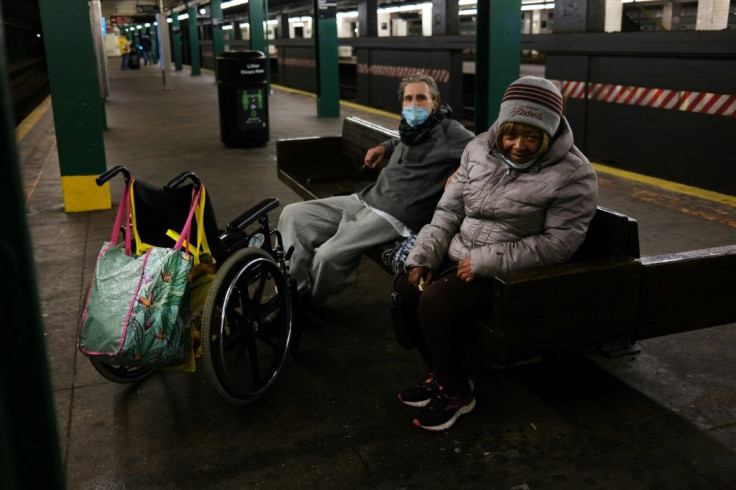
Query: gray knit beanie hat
[{"x": 534, "y": 101}]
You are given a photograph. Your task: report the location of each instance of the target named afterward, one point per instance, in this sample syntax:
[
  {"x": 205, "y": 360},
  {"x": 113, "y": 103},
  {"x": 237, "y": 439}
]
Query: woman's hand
[
  {"x": 420, "y": 277},
  {"x": 374, "y": 156},
  {"x": 465, "y": 271}
]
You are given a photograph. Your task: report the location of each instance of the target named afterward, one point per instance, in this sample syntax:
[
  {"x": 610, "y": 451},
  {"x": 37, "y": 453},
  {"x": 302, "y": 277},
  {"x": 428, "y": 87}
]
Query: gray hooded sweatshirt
[
  {"x": 506, "y": 219},
  {"x": 409, "y": 187}
]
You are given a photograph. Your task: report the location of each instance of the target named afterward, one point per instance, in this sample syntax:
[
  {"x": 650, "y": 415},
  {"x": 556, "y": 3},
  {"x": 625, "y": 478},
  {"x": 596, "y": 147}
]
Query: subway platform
[{"x": 664, "y": 418}]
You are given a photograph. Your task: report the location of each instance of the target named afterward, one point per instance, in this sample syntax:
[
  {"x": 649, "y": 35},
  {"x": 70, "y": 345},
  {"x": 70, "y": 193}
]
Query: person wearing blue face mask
[
  {"x": 523, "y": 197},
  {"x": 329, "y": 235}
]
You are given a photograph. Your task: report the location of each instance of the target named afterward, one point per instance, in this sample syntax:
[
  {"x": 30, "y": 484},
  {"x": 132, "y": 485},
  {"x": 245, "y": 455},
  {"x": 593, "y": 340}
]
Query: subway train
[{"x": 27, "y": 75}]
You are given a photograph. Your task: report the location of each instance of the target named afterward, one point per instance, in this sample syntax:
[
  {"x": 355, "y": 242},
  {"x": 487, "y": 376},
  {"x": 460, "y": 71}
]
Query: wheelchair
[{"x": 248, "y": 320}]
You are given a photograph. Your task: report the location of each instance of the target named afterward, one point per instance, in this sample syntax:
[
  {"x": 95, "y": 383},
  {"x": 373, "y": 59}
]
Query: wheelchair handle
[
  {"x": 109, "y": 174},
  {"x": 251, "y": 215},
  {"x": 181, "y": 178}
]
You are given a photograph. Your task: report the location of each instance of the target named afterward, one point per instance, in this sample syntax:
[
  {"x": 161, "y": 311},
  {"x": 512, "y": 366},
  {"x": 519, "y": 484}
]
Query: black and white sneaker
[
  {"x": 421, "y": 393},
  {"x": 445, "y": 407}
]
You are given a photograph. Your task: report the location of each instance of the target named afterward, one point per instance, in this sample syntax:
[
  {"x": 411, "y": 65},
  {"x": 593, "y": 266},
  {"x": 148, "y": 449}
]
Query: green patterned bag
[{"x": 137, "y": 307}]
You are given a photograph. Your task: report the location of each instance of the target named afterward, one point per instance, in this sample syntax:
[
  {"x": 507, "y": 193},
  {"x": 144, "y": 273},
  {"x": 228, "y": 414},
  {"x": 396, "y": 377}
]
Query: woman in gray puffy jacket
[{"x": 523, "y": 197}]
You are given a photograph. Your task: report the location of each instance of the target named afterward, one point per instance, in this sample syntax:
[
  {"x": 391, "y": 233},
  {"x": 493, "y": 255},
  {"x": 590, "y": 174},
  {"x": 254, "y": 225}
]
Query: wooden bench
[
  {"x": 326, "y": 166},
  {"x": 605, "y": 294}
]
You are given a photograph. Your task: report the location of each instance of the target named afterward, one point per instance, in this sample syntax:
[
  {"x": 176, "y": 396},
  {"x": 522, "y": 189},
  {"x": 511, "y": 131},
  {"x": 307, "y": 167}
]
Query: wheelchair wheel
[
  {"x": 121, "y": 374},
  {"x": 246, "y": 326}
]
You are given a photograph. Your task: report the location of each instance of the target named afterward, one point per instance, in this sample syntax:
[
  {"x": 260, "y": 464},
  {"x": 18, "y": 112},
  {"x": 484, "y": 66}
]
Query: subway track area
[{"x": 662, "y": 418}]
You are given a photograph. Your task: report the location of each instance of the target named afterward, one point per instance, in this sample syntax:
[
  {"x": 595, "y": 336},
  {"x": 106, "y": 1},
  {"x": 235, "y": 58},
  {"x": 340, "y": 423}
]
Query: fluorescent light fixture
[
  {"x": 352, "y": 13},
  {"x": 463, "y": 3},
  {"x": 305, "y": 18},
  {"x": 227, "y": 27},
  {"x": 183, "y": 16},
  {"x": 406, "y": 8},
  {"x": 469, "y": 12},
  {"x": 169, "y": 20},
  {"x": 233, "y": 3},
  {"x": 139, "y": 27},
  {"x": 537, "y": 6},
  {"x": 147, "y": 24},
  {"x": 202, "y": 11}
]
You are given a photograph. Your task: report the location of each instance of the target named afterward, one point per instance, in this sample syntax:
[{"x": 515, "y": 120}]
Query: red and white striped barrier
[
  {"x": 682, "y": 100},
  {"x": 440, "y": 76}
]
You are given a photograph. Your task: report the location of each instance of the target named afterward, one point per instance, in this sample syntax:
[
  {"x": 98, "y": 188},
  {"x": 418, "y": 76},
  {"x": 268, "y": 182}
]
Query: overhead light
[
  {"x": 233, "y": 3},
  {"x": 183, "y": 16},
  {"x": 202, "y": 11},
  {"x": 406, "y": 8}
]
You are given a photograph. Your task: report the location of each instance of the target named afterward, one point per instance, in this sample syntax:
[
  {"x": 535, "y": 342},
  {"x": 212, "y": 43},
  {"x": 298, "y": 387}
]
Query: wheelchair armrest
[{"x": 252, "y": 214}]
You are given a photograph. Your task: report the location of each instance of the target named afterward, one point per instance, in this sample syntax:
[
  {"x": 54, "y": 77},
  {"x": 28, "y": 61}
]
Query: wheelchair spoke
[{"x": 254, "y": 365}]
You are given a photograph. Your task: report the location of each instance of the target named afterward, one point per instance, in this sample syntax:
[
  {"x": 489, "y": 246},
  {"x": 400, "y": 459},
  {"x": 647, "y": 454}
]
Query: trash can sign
[
  {"x": 243, "y": 98},
  {"x": 251, "y": 113}
]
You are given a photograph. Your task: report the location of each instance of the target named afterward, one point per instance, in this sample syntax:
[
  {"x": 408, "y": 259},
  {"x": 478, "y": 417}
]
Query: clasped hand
[{"x": 420, "y": 277}]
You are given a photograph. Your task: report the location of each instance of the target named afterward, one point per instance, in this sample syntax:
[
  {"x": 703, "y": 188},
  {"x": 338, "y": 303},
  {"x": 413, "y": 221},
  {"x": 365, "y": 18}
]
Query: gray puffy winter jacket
[{"x": 509, "y": 220}]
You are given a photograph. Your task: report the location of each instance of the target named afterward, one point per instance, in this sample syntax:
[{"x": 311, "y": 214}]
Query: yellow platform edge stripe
[
  {"x": 81, "y": 193},
  {"x": 707, "y": 195},
  {"x": 31, "y": 119}
]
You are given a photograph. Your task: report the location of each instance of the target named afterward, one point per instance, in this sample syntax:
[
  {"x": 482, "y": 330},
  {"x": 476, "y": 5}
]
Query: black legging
[{"x": 446, "y": 312}]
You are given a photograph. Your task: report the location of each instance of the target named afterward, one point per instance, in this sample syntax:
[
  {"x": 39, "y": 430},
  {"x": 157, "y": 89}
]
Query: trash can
[{"x": 243, "y": 95}]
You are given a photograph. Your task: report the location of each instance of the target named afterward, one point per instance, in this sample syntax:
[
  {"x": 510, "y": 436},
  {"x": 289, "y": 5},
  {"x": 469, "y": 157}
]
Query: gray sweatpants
[{"x": 329, "y": 236}]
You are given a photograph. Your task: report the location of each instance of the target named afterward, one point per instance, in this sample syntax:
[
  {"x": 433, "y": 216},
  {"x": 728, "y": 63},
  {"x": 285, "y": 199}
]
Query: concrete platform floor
[{"x": 665, "y": 418}]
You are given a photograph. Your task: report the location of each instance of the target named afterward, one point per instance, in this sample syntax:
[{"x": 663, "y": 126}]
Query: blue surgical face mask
[{"x": 415, "y": 116}]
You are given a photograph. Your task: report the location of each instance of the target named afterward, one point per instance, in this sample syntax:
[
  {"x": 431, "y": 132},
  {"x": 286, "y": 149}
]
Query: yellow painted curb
[
  {"x": 668, "y": 185},
  {"x": 27, "y": 124},
  {"x": 81, "y": 193}
]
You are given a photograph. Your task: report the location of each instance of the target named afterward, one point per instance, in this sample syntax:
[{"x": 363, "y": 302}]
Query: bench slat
[
  {"x": 562, "y": 308},
  {"x": 687, "y": 291}
]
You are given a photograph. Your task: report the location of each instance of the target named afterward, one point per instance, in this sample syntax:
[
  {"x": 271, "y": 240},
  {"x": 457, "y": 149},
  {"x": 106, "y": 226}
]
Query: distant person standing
[
  {"x": 124, "y": 46},
  {"x": 146, "y": 47}
]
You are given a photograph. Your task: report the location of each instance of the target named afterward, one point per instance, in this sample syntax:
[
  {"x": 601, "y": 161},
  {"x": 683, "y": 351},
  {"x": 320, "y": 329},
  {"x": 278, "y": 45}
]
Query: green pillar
[
  {"x": 498, "y": 55},
  {"x": 154, "y": 44},
  {"x": 194, "y": 41},
  {"x": 218, "y": 37},
  {"x": 256, "y": 18},
  {"x": 78, "y": 119},
  {"x": 328, "y": 79},
  {"x": 175, "y": 38},
  {"x": 29, "y": 444}
]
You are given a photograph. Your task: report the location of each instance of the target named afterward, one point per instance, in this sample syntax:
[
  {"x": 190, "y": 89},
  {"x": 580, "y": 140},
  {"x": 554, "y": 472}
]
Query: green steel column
[
  {"x": 218, "y": 37},
  {"x": 256, "y": 18},
  {"x": 70, "y": 61},
  {"x": 194, "y": 41},
  {"x": 154, "y": 44},
  {"x": 29, "y": 444},
  {"x": 498, "y": 55},
  {"x": 328, "y": 79},
  {"x": 175, "y": 38}
]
